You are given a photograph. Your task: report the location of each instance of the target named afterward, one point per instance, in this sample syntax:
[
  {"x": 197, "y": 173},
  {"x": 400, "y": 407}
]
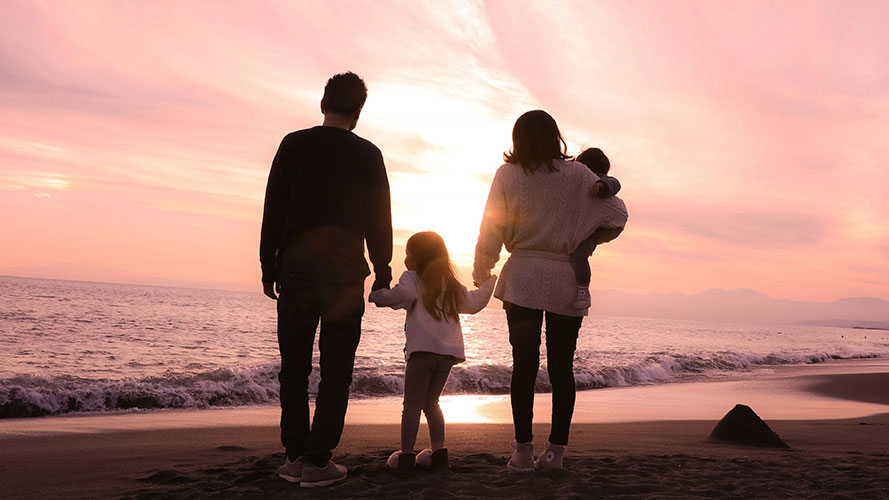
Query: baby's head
[{"x": 595, "y": 160}]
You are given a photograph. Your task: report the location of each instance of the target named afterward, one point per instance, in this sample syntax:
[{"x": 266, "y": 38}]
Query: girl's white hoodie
[{"x": 423, "y": 332}]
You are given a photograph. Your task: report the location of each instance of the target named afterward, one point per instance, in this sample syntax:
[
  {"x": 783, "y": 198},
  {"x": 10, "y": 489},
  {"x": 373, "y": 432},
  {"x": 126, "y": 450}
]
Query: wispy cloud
[{"x": 749, "y": 137}]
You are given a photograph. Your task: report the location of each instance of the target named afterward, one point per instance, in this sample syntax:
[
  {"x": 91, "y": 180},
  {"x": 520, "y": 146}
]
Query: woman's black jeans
[{"x": 561, "y": 342}]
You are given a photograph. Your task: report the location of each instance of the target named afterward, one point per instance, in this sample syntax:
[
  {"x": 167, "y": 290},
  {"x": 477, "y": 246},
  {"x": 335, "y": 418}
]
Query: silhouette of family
[{"x": 327, "y": 199}]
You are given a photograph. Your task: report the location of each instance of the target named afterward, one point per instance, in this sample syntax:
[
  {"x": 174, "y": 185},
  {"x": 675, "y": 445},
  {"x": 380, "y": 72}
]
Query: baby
[{"x": 606, "y": 186}]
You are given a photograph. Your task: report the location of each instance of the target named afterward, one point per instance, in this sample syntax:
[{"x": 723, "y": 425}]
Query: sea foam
[{"x": 31, "y": 396}]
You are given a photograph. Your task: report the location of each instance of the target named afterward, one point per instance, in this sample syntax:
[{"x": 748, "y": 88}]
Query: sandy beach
[{"x": 839, "y": 448}]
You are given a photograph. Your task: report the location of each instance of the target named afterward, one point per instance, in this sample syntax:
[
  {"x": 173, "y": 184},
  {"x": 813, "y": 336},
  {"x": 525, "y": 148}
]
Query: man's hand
[{"x": 268, "y": 288}]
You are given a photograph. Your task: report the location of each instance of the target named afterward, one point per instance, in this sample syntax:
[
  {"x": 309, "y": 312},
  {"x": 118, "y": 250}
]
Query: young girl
[{"x": 433, "y": 298}]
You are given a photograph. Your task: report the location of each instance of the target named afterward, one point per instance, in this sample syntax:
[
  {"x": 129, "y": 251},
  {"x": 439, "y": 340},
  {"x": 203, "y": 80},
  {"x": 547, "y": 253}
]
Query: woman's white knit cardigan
[{"x": 541, "y": 218}]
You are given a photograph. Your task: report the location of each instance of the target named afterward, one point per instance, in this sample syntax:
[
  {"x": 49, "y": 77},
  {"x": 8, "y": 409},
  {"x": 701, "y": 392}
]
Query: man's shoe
[
  {"x": 402, "y": 463},
  {"x": 314, "y": 477},
  {"x": 552, "y": 456},
  {"x": 291, "y": 471},
  {"x": 582, "y": 298},
  {"x": 522, "y": 459}
]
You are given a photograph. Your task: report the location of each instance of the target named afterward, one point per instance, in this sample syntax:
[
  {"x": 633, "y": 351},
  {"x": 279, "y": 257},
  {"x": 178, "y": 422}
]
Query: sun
[
  {"x": 446, "y": 205},
  {"x": 442, "y": 150}
]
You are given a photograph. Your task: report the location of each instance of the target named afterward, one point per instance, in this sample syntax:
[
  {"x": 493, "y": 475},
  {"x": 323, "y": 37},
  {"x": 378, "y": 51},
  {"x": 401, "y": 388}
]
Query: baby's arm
[
  {"x": 474, "y": 301},
  {"x": 401, "y": 296}
]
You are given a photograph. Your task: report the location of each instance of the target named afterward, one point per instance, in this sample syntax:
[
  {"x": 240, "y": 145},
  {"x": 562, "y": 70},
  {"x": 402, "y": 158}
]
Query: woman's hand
[
  {"x": 478, "y": 280},
  {"x": 479, "y": 284}
]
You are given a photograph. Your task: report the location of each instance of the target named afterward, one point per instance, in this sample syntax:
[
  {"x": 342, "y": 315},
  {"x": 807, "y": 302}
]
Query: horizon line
[{"x": 243, "y": 287}]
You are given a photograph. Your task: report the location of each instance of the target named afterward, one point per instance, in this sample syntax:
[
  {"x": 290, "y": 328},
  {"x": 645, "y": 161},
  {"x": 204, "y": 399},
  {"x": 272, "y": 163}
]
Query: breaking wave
[{"x": 32, "y": 396}]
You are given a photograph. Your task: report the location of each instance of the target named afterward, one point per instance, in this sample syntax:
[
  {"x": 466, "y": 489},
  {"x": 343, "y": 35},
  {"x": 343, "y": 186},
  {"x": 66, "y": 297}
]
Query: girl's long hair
[
  {"x": 536, "y": 142},
  {"x": 441, "y": 289}
]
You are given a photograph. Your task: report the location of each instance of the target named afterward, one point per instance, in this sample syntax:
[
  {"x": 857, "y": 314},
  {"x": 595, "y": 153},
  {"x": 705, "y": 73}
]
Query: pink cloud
[{"x": 748, "y": 136}]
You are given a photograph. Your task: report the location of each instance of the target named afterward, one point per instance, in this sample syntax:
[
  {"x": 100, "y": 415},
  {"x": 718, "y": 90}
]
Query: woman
[{"x": 541, "y": 206}]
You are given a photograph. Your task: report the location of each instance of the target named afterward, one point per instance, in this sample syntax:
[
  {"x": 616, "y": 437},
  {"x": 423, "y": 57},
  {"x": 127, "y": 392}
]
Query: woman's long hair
[
  {"x": 436, "y": 273},
  {"x": 536, "y": 142}
]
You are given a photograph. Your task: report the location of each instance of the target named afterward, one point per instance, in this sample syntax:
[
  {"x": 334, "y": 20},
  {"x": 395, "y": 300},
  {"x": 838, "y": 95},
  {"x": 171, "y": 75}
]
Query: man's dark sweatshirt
[{"x": 327, "y": 193}]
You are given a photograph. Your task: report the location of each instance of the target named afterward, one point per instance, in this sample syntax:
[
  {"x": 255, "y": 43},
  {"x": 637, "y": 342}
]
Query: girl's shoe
[
  {"x": 402, "y": 463},
  {"x": 435, "y": 460},
  {"x": 522, "y": 459},
  {"x": 440, "y": 459},
  {"x": 552, "y": 456},
  {"x": 424, "y": 458}
]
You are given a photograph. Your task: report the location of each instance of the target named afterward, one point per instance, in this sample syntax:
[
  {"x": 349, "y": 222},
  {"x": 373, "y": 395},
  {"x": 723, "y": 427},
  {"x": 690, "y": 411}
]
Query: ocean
[{"x": 69, "y": 346}]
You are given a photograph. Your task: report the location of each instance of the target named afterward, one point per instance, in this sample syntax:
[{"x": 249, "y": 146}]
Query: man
[{"x": 327, "y": 194}]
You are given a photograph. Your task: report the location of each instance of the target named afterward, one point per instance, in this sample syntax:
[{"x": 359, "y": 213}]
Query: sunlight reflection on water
[{"x": 472, "y": 409}]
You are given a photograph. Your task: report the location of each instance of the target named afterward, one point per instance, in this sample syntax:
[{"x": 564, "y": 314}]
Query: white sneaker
[
  {"x": 291, "y": 471},
  {"x": 314, "y": 477},
  {"x": 582, "y": 298},
  {"x": 552, "y": 456},
  {"x": 522, "y": 459}
]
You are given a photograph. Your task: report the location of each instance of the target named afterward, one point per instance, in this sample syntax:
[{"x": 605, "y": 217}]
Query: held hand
[
  {"x": 479, "y": 284},
  {"x": 268, "y": 288},
  {"x": 374, "y": 296},
  {"x": 380, "y": 284}
]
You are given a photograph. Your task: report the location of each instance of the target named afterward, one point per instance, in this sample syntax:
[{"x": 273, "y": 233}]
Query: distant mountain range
[
  {"x": 741, "y": 305},
  {"x": 845, "y": 323}
]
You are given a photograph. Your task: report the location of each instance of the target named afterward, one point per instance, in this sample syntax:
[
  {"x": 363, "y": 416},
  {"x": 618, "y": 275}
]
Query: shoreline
[
  {"x": 234, "y": 452},
  {"x": 793, "y": 392}
]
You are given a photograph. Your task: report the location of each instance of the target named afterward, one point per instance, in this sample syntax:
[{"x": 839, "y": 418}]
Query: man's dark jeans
[
  {"x": 561, "y": 342},
  {"x": 302, "y": 304}
]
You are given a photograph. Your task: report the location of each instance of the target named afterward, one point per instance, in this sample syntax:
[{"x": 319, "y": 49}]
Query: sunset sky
[{"x": 750, "y": 137}]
